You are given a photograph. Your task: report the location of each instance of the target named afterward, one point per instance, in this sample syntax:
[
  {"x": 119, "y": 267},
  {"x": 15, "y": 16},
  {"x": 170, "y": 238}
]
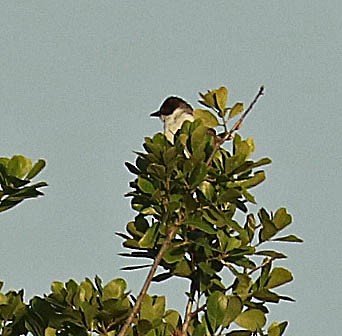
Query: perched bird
[{"x": 173, "y": 112}]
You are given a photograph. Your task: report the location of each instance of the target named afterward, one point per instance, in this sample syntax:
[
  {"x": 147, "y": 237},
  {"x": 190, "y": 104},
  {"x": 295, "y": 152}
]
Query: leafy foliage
[
  {"x": 200, "y": 187},
  {"x": 189, "y": 196}
]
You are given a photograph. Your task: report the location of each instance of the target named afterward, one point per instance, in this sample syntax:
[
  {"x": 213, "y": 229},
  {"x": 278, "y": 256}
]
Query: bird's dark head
[{"x": 170, "y": 104}]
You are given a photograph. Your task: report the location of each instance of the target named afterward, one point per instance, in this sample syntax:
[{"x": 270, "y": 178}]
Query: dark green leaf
[
  {"x": 145, "y": 185},
  {"x": 289, "y": 238},
  {"x": 240, "y": 333},
  {"x": 133, "y": 169},
  {"x": 229, "y": 195},
  {"x": 272, "y": 254},
  {"x": 266, "y": 295},
  {"x": 198, "y": 174},
  {"x": 201, "y": 225}
]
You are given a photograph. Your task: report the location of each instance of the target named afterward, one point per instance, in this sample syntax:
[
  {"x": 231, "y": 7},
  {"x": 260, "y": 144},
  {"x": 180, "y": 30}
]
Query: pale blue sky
[{"x": 78, "y": 81}]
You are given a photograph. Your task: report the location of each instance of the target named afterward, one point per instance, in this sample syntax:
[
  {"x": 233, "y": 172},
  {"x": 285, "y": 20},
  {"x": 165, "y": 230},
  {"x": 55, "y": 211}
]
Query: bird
[{"x": 173, "y": 112}]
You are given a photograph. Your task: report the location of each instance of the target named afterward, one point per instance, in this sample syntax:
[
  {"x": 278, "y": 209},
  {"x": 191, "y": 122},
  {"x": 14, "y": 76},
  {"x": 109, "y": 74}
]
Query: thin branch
[
  {"x": 238, "y": 124},
  {"x": 188, "y": 316},
  {"x": 147, "y": 283}
]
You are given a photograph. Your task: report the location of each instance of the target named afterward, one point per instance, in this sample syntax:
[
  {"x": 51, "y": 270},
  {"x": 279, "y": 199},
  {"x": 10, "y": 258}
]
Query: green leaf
[
  {"x": 234, "y": 308},
  {"x": 144, "y": 326},
  {"x": 216, "y": 309},
  {"x": 149, "y": 239},
  {"x": 277, "y": 328},
  {"x": 279, "y": 276},
  {"x": 198, "y": 137},
  {"x": 114, "y": 289},
  {"x": 289, "y": 238},
  {"x": 4, "y": 161},
  {"x": 243, "y": 285},
  {"x": 227, "y": 243},
  {"x": 174, "y": 254},
  {"x": 268, "y": 228},
  {"x": 245, "y": 147},
  {"x": 221, "y": 97},
  {"x": 252, "y": 319},
  {"x": 145, "y": 185},
  {"x": 235, "y": 110},
  {"x": 172, "y": 317},
  {"x": 207, "y": 189},
  {"x": 253, "y": 181},
  {"x": 198, "y": 174},
  {"x": 272, "y": 254},
  {"x": 229, "y": 195},
  {"x": 3, "y": 299},
  {"x": 156, "y": 170},
  {"x": 36, "y": 169},
  {"x": 132, "y": 168},
  {"x": 201, "y": 225},
  {"x": 19, "y": 166},
  {"x": 240, "y": 333},
  {"x": 50, "y": 332},
  {"x": 209, "y": 99},
  {"x": 200, "y": 330},
  {"x": 208, "y": 119},
  {"x": 183, "y": 269},
  {"x": 266, "y": 295},
  {"x": 282, "y": 219}
]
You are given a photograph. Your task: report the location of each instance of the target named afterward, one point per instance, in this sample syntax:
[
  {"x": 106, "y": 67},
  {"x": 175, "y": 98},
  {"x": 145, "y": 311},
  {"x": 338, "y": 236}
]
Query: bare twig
[
  {"x": 188, "y": 316},
  {"x": 136, "y": 308},
  {"x": 238, "y": 124}
]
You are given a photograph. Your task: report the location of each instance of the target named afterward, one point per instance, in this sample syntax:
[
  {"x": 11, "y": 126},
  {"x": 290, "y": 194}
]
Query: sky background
[{"x": 78, "y": 81}]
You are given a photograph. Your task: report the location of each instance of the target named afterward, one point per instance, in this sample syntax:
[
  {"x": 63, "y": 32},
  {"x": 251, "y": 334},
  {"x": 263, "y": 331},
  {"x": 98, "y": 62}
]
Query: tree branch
[
  {"x": 147, "y": 283},
  {"x": 188, "y": 317}
]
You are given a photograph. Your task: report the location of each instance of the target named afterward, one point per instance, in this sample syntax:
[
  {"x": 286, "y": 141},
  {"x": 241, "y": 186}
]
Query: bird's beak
[{"x": 155, "y": 114}]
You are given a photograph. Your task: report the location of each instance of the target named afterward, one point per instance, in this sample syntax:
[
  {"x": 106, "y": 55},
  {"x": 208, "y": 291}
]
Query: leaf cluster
[
  {"x": 199, "y": 188},
  {"x": 15, "y": 175}
]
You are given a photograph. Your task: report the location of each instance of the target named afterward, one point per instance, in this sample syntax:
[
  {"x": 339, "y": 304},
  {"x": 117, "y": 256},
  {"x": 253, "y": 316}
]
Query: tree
[{"x": 187, "y": 195}]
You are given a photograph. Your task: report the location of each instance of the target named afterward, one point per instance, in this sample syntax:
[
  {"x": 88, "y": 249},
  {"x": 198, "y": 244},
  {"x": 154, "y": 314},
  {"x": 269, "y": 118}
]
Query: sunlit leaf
[
  {"x": 149, "y": 238},
  {"x": 236, "y": 110},
  {"x": 282, "y": 218},
  {"x": 252, "y": 319},
  {"x": 279, "y": 276},
  {"x": 36, "y": 169},
  {"x": 19, "y": 166},
  {"x": 221, "y": 97},
  {"x": 114, "y": 289},
  {"x": 208, "y": 119},
  {"x": 216, "y": 308},
  {"x": 234, "y": 308},
  {"x": 277, "y": 328}
]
